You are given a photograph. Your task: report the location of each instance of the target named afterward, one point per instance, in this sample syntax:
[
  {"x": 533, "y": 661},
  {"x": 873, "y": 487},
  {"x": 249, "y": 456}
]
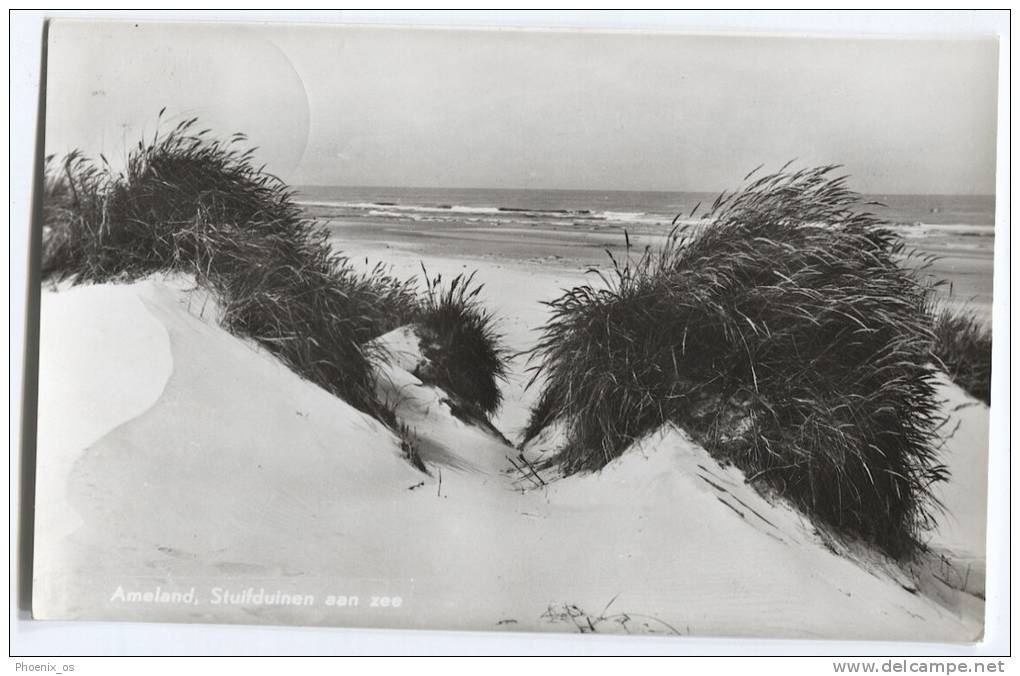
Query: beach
[
  {"x": 301, "y": 510},
  {"x": 573, "y": 230}
]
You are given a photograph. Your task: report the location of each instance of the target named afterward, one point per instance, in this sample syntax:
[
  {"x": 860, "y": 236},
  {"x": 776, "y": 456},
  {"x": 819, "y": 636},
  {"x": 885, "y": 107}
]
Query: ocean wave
[
  {"x": 943, "y": 230},
  {"x": 511, "y": 214},
  {"x": 419, "y": 212},
  {"x": 399, "y": 208}
]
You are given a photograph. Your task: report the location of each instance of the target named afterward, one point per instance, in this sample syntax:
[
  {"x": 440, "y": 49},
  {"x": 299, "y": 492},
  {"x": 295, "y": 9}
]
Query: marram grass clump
[
  {"x": 963, "y": 346},
  {"x": 786, "y": 336},
  {"x": 185, "y": 202},
  {"x": 459, "y": 338}
]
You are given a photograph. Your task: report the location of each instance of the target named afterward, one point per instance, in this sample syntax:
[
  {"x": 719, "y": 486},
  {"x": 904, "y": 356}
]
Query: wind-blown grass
[
  {"x": 785, "y": 336},
  {"x": 963, "y": 344},
  {"x": 459, "y": 338},
  {"x": 186, "y": 202}
]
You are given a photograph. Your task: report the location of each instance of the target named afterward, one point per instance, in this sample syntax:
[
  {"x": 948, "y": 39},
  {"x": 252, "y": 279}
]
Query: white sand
[
  {"x": 960, "y": 538},
  {"x": 212, "y": 465},
  {"x": 106, "y": 361}
]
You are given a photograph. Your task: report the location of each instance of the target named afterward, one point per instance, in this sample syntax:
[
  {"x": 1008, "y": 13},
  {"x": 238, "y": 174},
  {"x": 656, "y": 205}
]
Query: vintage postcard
[{"x": 575, "y": 331}]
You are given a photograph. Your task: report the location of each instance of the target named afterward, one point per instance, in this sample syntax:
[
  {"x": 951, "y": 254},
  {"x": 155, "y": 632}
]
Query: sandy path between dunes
[
  {"x": 240, "y": 475},
  {"x": 516, "y": 289}
]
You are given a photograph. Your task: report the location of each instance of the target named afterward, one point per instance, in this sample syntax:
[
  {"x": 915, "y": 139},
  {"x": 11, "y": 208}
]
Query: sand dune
[{"x": 192, "y": 460}]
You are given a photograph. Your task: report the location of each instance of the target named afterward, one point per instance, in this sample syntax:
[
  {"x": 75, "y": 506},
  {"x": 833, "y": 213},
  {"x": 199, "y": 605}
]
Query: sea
[{"x": 587, "y": 207}]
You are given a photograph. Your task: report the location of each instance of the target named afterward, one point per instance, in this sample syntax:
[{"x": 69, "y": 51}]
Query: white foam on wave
[
  {"x": 578, "y": 216},
  {"x": 495, "y": 214},
  {"x": 401, "y": 208},
  {"x": 945, "y": 230}
]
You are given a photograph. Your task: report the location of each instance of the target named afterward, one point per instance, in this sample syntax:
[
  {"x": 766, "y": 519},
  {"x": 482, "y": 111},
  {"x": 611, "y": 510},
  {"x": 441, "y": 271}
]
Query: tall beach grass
[
  {"x": 188, "y": 203},
  {"x": 787, "y": 337},
  {"x": 459, "y": 338},
  {"x": 963, "y": 347}
]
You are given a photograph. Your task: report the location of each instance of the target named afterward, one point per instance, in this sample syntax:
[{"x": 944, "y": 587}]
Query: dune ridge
[{"x": 241, "y": 475}]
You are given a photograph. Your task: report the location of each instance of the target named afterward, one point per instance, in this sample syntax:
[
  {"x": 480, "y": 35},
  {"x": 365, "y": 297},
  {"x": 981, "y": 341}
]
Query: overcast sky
[{"x": 551, "y": 109}]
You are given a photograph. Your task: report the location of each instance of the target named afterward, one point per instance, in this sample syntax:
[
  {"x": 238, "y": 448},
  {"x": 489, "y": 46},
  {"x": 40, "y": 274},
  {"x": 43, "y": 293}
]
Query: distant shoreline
[{"x": 966, "y": 269}]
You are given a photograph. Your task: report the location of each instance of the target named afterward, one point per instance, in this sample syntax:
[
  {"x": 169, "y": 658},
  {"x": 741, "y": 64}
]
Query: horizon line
[{"x": 706, "y": 192}]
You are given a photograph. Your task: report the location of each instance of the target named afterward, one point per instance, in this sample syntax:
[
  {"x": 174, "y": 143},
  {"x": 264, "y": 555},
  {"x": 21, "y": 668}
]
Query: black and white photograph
[{"x": 627, "y": 332}]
